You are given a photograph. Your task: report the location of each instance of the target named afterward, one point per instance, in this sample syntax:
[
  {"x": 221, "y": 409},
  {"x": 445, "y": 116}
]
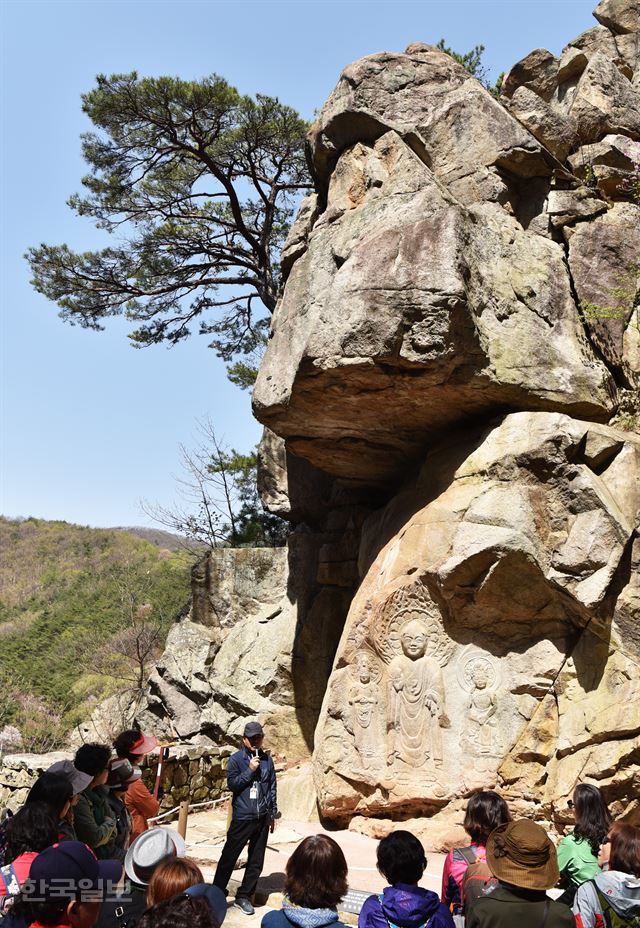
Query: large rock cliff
[
  {"x": 450, "y": 380},
  {"x": 259, "y": 641}
]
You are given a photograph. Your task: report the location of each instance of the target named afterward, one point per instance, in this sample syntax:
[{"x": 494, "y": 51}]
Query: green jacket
[
  {"x": 508, "y": 907},
  {"x": 576, "y": 861},
  {"x": 94, "y": 821}
]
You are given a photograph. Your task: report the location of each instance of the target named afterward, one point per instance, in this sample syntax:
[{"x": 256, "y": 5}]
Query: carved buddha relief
[
  {"x": 366, "y": 708},
  {"x": 402, "y": 686},
  {"x": 416, "y": 700},
  {"x": 478, "y": 675},
  {"x": 407, "y": 635}
]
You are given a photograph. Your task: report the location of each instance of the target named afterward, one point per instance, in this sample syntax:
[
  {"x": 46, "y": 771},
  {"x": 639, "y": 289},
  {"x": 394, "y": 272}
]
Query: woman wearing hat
[
  {"x": 142, "y": 858},
  {"x": 132, "y": 745},
  {"x": 522, "y": 857},
  {"x": 56, "y": 791},
  {"x": 122, "y": 775},
  {"x": 79, "y": 781}
]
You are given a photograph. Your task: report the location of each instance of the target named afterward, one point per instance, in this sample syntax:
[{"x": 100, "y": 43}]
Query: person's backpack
[
  {"x": 477, "y": 879},
  {"x": 613, "y": 919}
]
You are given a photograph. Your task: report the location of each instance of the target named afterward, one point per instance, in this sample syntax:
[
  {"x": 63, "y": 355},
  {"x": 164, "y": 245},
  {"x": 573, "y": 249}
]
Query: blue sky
[{"x": 91, "y": 425}]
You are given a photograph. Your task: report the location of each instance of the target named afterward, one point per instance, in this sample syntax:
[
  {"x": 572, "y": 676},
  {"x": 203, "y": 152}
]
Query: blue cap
[
  {"x": 69, "y": 871},
  {"x": 214, "y": 896}
]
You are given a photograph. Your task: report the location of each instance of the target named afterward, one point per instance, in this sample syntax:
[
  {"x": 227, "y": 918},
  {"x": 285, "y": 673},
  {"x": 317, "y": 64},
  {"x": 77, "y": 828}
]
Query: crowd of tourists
[{"x": 82, "y": 852}]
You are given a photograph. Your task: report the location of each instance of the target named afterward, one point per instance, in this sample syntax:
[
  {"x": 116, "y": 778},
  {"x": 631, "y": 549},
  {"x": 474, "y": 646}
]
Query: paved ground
[{"x": 205, "y": 837}]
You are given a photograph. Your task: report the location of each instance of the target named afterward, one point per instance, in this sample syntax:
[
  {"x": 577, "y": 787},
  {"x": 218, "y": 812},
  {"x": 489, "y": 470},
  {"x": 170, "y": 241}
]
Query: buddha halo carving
[{"x": 408, "y": 636}]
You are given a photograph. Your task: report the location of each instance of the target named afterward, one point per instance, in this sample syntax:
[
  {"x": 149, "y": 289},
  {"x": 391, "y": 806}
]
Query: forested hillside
[{"x": 83, "y": 612}]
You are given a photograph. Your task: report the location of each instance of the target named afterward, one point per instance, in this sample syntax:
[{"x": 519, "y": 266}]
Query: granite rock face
[
  {"x": 250, "y": 648},
  {"x": 429, "y": 278},
  {"x": 603, "y": 259},
  {"x": 445, "y": 312},
  {"x": 451, "y": 387},
  {"x": 492, "y": 601},
  {"x": 449, "y": 394}
]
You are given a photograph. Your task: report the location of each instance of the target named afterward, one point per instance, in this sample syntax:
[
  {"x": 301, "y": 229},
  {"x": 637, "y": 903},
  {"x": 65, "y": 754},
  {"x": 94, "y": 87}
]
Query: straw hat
[{"x": 521, "y": 853}]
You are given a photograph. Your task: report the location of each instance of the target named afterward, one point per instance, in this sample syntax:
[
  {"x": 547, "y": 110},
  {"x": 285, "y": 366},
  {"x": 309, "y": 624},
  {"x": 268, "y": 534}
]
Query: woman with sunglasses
[{"x": 578, "y": 851}]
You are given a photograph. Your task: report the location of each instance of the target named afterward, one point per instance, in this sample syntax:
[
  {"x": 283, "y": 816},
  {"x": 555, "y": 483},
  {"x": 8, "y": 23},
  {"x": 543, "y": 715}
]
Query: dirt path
[{"x": 205, "y": 837}]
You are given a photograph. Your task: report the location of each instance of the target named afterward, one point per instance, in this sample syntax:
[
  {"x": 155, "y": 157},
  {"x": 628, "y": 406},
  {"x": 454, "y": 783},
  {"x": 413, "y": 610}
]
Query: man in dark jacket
[{"x": 251, "y": 777}]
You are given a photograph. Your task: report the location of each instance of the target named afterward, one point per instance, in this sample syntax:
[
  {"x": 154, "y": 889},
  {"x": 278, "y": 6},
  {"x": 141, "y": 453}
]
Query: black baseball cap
[
  {"x": 69, "y": 870},
  {"x": 252, "y": 729}
]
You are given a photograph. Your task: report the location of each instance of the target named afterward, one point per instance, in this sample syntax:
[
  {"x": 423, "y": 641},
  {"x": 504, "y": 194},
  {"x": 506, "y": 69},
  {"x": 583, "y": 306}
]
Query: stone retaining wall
[{"x": 194, "y": 773}]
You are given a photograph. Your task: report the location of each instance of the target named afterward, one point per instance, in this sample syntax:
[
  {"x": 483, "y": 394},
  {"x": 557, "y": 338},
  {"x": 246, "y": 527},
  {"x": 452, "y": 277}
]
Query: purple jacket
[{"x": 407, "y": 907}]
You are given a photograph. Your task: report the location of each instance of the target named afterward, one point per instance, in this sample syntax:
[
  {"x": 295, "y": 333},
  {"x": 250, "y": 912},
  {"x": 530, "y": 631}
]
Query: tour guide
[{"x": 251, "y": 777}]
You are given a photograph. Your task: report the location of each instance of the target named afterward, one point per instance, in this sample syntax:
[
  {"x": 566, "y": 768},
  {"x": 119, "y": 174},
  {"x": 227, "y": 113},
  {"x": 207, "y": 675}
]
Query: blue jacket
[
  {"x": 406, "y": 906},
  {"x": 241, "y": 780}
]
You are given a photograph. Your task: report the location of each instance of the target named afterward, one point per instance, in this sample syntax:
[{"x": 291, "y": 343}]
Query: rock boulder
[{"x": 409, "y": 312}]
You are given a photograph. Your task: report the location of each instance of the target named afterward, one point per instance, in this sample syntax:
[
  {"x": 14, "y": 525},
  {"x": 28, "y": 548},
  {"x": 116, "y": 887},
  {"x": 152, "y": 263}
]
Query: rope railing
[{"x": 197, "y": 805}]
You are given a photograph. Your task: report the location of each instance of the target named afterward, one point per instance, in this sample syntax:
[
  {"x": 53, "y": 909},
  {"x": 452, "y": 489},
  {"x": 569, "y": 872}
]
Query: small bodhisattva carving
[
  {"x": 366, "y": 705},
  {"x": 480, "y": 676}
]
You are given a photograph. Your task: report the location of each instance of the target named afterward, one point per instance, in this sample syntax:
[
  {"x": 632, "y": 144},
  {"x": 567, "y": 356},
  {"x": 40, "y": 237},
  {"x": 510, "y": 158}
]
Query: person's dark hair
[
  {"x": 45, "y": 913},
  {"x": 179, "y": 912},
  {"x": 485, "y": 811},
  {"x": 625, "y": 848},
  {"x": 32, "y": 828},
  {"x": 52, "y": 789},
  {"x": 171, "y": 877},
  {"x": 92, "y": 758},
  {"x": 401, "y": 858},
  {"x": 593, "y": 819},
  {"x": 316, "y": 876},
  {"x": 125, "y": 741}
]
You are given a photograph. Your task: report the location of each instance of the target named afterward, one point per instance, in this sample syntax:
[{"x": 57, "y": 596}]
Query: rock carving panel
[{"x": 468, "y": 651}]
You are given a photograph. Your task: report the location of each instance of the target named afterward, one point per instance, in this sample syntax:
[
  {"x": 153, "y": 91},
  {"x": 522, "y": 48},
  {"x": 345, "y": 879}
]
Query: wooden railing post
[{"x": 182, "y": 818}]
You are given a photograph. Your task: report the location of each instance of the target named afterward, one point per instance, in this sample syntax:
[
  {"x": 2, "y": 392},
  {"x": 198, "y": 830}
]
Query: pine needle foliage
[{"x": 197, "y": 184}]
